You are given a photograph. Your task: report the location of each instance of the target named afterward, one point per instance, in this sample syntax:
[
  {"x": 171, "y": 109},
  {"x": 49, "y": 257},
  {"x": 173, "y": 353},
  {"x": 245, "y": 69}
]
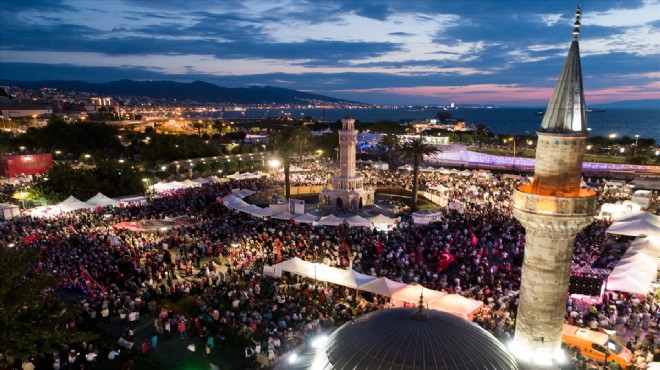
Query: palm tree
[
  {"x": 416, "y": 149},
  {"x": 284, "y": 144},
  {"x": 391, "y": 143}
]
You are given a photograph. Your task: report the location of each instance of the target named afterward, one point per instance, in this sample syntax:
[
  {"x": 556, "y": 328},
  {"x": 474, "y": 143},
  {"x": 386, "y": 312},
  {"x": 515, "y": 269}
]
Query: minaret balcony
[{"x": 583, "y": 203}]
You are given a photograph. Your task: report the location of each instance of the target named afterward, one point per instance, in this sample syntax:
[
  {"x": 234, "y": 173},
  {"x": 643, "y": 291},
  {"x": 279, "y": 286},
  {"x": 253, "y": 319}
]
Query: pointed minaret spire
[
  {"x": 566, "y": 111},
  {"x": 576, "y": 25}
]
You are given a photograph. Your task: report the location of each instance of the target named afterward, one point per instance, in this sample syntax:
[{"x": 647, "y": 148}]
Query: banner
[{"x": 297, "y": 206}]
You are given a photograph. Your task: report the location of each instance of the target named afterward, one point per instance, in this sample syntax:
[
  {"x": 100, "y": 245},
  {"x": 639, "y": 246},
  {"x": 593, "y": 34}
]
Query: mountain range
[
  {"x": 198, "y": 91},
  {"x": 204, "y": 92}
]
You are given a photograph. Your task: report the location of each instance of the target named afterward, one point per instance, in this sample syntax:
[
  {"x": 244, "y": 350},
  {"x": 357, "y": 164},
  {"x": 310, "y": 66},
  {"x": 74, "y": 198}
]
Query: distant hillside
[
  {"x": 630, "y": 104},
  {"x": 199, "y": 91}
]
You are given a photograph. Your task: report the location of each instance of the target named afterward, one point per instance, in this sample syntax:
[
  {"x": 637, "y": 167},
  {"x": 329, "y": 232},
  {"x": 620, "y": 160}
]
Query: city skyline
[{"x": 384, "y": 52}]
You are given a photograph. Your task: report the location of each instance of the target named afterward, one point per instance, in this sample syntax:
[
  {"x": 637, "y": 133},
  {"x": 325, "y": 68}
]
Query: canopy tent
[
  {"x": 297, "y": 266},
  {"x": 465, "y": 173},
  {"x": 642, "y": 216},
  {"x": 175, "y": 185},
  {"x": 406, "y": 167},
  {"x": 648, "y": 245},
  {"x": 411, "y": 294},
  {"x": 383, "y": 222},
  {"x": 160, "y": 187},
  {"x": 639, "y": 275},
  {"x": 427, "y": 169},
  {"x": 634, "y": 228},
  {"x": 632, "y": 267},
  {"x": 100, "y": 200},
  {"x": 44, "y": 211},
  {"x": 284, "y": 216},
  {"x": 382, "y": 286},
  {"x": 213, "y": 178},
  {"x": 233, "y": 202},
  {"x": 330, "y": 220},
  {"x": 457, "y": 305},
  {"x": 357, "y": 221},
  {"x": 627, "y": 284},
  {"x": 234, "y": 176},
  {"x": 347, "y": 278},
  {"x": 262, "y": 212},
  {"x": 242, "y": 193},
  {"x": 440, "y": 188},
  {"x": 294, "y": 169},
  {"x": 306, "y": 218},
  {"x": 640, "y": 259},
  {"x": 201, "y": 180},
  {"x": 250, "y": 208},
  {"x": 189, "y": 183},
  {"x": 73, "y": 204}
]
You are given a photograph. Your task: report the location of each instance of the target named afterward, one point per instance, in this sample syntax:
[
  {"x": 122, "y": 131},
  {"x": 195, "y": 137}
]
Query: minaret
[
  {"x": 553, "y": 209},
  {"x": 348, "y": 192}
]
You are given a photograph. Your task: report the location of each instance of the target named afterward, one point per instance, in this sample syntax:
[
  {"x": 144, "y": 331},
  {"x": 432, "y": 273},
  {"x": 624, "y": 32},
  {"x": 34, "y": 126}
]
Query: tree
[
  {"x": 416, "y": 149},
  {"x": 285, "y": 144},
  {"x": 391, "y": 144},
  {"x": 32, "y": 317}
]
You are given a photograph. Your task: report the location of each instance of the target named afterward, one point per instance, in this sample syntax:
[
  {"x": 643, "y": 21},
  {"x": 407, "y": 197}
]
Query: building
[
  {"x": 348, "y": 191},
  {"x": 553, "y": 209}
]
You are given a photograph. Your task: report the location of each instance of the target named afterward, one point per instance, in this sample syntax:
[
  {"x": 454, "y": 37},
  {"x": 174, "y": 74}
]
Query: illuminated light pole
[{"x": 636, "y": 141}]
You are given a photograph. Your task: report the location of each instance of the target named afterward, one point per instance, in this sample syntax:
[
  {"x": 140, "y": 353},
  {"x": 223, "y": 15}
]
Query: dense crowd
[{"x": 218, "y": 262}]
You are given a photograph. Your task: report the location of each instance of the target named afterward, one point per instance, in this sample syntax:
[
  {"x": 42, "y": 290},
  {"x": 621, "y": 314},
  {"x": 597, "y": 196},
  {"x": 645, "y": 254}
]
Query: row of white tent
[
  {"x": 160, "y": 187},
  {"x": 72, "y": 203},
  {"x": 238, "y": 204},
  {"x": 400, "y": 293},
  {"x": 638, "y": 267},
  {"x": 247, "y": 175}
]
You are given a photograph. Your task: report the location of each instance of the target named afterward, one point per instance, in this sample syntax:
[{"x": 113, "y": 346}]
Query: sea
[{"x": 622, "y": 122}]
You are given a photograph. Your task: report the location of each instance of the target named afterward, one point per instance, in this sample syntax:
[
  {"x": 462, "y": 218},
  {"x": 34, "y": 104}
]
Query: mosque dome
[{"x": 405, "y": 338}]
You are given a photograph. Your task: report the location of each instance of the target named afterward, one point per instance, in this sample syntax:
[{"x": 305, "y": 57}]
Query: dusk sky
[{"x": 388, "y": 52}]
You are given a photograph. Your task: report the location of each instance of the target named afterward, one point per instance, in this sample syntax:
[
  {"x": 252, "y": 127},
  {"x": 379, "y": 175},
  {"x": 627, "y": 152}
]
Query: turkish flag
[
  {"x": 446, "y": 259},
  {"x": 473, "y": 240}
]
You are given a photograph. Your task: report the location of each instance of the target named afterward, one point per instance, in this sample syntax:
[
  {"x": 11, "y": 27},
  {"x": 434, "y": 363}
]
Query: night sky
[{"x": 390, "y": 52}]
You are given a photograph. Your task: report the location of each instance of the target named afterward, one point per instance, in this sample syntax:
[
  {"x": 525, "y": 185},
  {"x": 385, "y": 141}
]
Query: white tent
[
  {"x": 201, "y": 180},
  {"x": 250, "y": 208},
  {"x": 294, "y": 169},
  {"x": 640, "y": 259},
  {"x": 233, "y": 202},
  {"x": 440, "y": 188},
  {"x": 160, "y": 187},
  {"x": 347, "y": 278},
  {"x": 189, "y": 183},
  {"x": 457, "y": 305},
  {"x": 643, "y": 216},
  {"x": 213, "y": 178},
  {"x": 634, "y": 228},
  {"x": 357, "y": 221},
  {"x": 307, "y": 218},
  {"x": 632, "y": 267},
  {"x": 176, "y": 185},
  {"x": 242, "y": 193},
  {"x": 284, "y": 216},
  {"x": 406, "y": 167},
  {"x": 297, "y": 266},
  {"x": 411, "y": 294},
  {"x": 382, "y": 222},
  {"x": 262, "y": 212},
  {"x": 331, "y": 220},
  {"x": 73, "y": 204},
  {"x": 382, "y": 286},
  {"x": 234, "y": 176},
  {"x": 100, "y": 200},
  {"x": 627, "y": 284},
  {"x": 648, "y": 245},
  {"x": 44, "y": 211}
]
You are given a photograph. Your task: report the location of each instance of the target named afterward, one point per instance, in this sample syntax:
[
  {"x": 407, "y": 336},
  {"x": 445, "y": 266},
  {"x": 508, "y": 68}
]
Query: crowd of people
[{"x": 217, "y": 261}]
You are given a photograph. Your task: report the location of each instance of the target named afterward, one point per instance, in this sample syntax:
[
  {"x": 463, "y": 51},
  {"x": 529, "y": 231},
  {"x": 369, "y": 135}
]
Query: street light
[
  {"x": 636, "y": 141},
  {"x": 274, "y": 163}
]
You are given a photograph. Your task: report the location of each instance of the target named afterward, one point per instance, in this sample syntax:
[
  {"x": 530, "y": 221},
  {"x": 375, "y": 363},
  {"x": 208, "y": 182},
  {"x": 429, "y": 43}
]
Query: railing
[{"x": 561, "y": 206}]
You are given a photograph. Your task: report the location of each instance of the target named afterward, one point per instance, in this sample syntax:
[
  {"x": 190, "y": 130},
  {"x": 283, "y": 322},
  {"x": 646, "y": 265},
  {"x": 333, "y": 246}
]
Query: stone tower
[
  {"x": 348, "y": 192},
  {"x": 553, "y": 209}
]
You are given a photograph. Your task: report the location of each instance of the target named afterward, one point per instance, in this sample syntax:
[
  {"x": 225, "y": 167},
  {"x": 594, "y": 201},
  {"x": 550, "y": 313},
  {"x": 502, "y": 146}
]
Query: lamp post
[{"x": 636, "y": 141}]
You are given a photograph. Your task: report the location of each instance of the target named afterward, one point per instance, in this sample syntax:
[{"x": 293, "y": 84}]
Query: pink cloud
[{"x": 494, "y": 93}]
